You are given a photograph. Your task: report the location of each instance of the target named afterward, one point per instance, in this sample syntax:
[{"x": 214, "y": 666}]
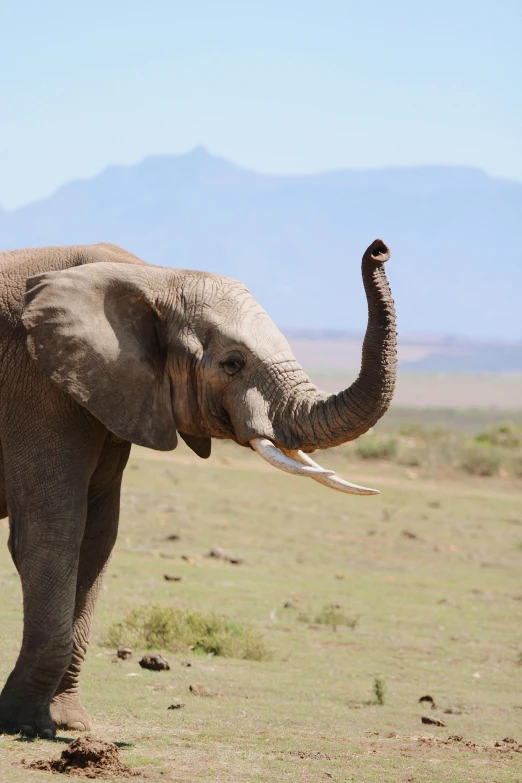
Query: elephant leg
[
  {"x": 47, "y": 496},
  {"x": 3, "y": 499},
  {"x": 101, "y": 529}
]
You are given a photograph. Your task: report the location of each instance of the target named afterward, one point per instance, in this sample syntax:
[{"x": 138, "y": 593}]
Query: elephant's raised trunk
[
  {"x": 329, "y": 420},
  {"x": 320, "y": 421}
]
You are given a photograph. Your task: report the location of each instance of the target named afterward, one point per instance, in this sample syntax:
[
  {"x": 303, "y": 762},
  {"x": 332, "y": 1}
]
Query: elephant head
[{"x": 151, "y": 351}]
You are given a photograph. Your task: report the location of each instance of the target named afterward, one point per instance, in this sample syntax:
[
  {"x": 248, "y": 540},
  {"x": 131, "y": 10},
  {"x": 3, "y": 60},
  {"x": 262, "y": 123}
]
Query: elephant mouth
[
  {"x": 258, "y": 433},
  {"x": 297, "y": 463}
]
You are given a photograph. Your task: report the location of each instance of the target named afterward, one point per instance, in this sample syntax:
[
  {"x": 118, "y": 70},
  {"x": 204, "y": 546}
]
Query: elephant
[{"x": 100, "y": 350}]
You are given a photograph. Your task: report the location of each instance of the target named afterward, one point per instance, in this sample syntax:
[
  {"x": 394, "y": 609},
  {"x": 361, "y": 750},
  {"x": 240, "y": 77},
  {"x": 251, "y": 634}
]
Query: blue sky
[{"x": 276, "y": 86}]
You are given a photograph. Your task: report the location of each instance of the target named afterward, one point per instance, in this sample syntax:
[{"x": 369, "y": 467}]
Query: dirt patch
[
  {"x": 305, "y": 754},
  {"x": 506, "y": 746},
  {"x": 87, "y": 757}
]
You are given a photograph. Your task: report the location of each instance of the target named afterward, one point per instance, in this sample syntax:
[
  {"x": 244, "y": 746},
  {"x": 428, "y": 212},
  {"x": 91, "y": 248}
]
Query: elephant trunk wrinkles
[{"x": 329, "y": 420}]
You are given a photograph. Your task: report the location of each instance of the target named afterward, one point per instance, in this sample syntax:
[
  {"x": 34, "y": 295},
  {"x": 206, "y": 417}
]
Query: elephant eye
[{"x": 233, "y": 364}]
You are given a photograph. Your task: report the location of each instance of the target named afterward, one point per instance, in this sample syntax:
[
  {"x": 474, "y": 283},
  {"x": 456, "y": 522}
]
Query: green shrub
[
  {"x": 379, "y": 688},
  {"x": 496, "y": 450},
  {"x": 179, "y": 630},
  {"x": 505, "y": 435},
  {"x": 377, "y": 447},
  {"x": 480, "y": 460}
]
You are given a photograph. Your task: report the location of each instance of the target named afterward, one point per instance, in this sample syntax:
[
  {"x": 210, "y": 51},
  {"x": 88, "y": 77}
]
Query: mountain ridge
[
  {"x": 297, "y": 240},
  {"x": 464, "y": 177}
]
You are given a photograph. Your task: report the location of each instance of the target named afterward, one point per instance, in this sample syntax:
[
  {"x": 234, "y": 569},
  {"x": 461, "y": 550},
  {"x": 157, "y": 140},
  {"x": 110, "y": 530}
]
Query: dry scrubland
[
  {"x": 348, "y": 602},
  {"x": 443, "y": 390}
]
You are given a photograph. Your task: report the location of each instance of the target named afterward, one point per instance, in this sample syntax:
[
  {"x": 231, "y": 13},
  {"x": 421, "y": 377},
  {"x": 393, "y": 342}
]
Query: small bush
[
  {"x": 480, "y": 460},
  {"x": 179, "y": 630},
  {"x": 379, "y": 688},
  {"x": 329, "y": 615},
  {"x": 374, "y": 447},
  {"x": 496, "y": 450},
  {"x": 505, "y": 435}
]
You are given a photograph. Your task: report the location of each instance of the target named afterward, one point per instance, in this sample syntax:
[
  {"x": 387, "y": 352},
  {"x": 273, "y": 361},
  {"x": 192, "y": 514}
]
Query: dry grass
[{"x": 431, "y": 567}]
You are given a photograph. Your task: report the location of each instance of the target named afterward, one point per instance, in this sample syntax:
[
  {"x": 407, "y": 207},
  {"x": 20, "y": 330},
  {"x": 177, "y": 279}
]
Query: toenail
[{"x": 27, "y": 731}]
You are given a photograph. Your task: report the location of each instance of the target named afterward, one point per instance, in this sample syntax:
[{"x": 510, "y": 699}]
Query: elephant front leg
[
  {"x": 98, "y": 541},
  {"x": 67, "y": 710},
  {"x": 48, "y": 575},
  {"x": 47, "y": 497}
]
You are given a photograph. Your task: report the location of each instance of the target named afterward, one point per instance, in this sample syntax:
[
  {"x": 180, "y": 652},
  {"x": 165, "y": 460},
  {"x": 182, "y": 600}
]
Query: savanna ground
[
  {"x": 428, "y": 573},
  {"x": 439, "y": 390}
]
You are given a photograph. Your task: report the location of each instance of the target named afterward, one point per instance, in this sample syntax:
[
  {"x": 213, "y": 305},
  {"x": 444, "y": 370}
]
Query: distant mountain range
[{"x": 296, "y": 241}]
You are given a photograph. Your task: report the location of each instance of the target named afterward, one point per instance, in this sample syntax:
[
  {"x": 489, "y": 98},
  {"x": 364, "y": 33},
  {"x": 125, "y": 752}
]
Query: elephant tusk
[
  {"x": 333, "y": 481},
  {"x": 266, "y": 449}
]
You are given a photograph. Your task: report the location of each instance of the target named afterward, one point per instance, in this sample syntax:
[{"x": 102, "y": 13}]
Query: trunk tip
[{"x": 378, "y": 252}]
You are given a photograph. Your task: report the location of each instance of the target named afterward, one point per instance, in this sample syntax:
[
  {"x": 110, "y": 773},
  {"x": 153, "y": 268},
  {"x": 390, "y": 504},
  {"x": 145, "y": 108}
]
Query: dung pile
[{"x": 88, "y": 757}]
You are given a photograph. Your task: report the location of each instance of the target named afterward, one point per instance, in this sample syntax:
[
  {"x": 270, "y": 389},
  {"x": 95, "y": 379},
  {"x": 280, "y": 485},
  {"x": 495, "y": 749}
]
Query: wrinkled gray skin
[{"x": 103, "y": 351}]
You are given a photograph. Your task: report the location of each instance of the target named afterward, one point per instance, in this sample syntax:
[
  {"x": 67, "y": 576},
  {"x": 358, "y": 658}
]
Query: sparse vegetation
[
  {"x": 507, "y": 436},
  {"x": 376, "y": 447},
  {"x": 481, "y": 460},
  {"x": 180, "y": 630},
  {"x": 436, "y": 449},
  {"x": 437, "y": 610},
  {"x": 379, "y": 689},
  {"x": 329, "y": 615}
]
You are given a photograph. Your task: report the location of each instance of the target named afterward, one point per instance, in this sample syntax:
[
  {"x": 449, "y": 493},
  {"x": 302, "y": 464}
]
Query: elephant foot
[
  {"x": 68, "y": 712},
  {"x": 19, "y": 716}
]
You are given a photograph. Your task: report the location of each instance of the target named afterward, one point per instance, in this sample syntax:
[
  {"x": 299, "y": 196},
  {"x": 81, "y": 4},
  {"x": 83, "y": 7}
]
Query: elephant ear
[{"x": 95, "y": 332}]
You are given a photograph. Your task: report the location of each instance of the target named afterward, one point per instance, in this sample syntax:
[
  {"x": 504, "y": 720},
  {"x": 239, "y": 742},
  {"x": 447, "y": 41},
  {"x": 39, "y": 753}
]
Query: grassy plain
[{"x": 431, "y": 568}]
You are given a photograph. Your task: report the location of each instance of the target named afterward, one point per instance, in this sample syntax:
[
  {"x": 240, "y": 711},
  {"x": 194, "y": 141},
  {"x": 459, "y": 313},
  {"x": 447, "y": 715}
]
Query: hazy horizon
[
  {"x": 198, "y": 148},
  {"x": 448, "y": 229},
  {"x": 292, "y": 88}
]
